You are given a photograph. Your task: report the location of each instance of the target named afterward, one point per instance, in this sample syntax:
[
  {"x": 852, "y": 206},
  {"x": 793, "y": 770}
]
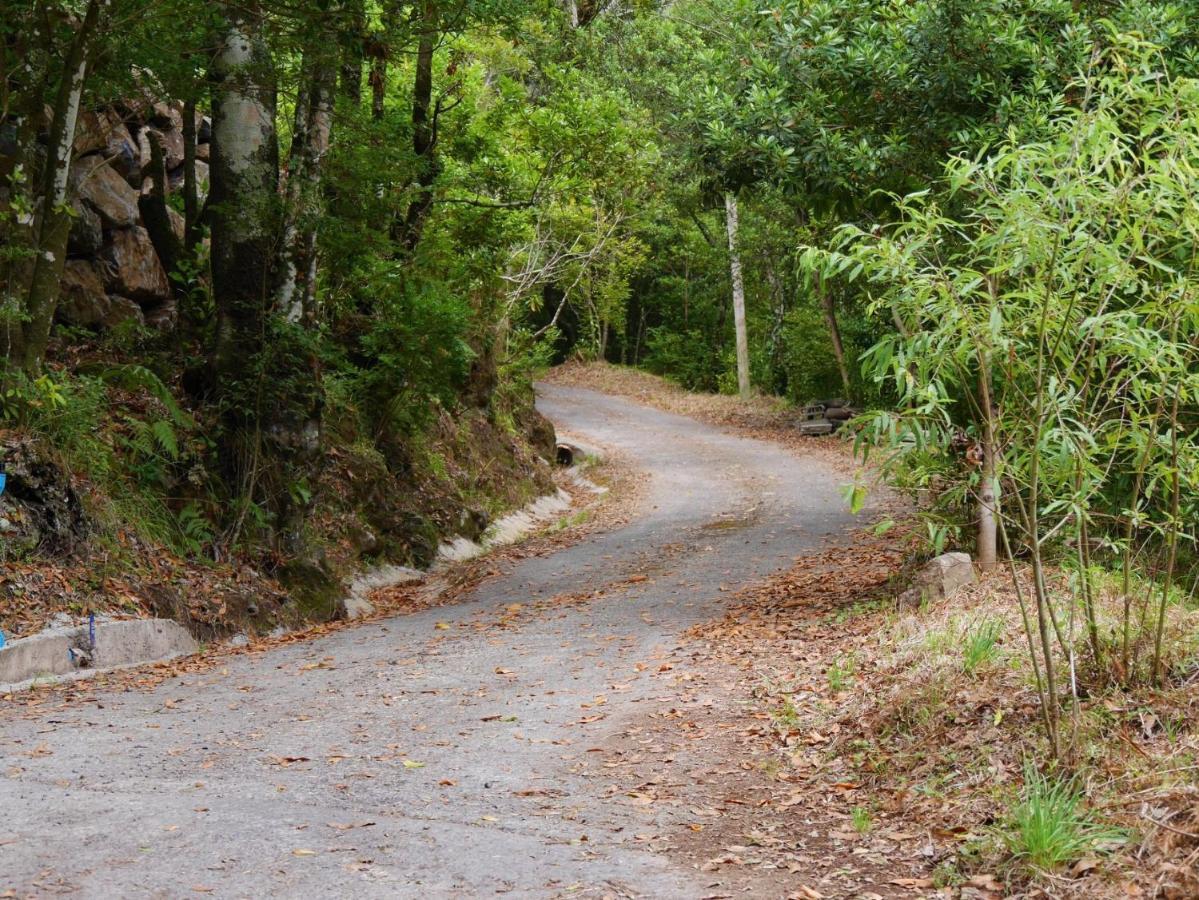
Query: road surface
[{"x": 405, "y": 758}]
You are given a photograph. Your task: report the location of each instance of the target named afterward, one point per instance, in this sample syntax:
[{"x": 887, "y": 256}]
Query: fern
[{"x": 134, "y": 377}]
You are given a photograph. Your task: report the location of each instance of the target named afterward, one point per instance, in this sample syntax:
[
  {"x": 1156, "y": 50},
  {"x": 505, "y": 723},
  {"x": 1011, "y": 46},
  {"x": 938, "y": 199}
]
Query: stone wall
[{"x": 112, "y": 273}]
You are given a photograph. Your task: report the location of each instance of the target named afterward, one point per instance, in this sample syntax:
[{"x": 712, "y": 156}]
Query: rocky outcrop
[
  {"x": 113, "y": 274},
  {"x": 39, "y": 509}
]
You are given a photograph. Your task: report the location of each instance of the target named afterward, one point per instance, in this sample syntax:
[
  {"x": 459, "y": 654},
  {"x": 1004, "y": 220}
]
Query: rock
[
  {"x": 204, "y": 130},
  {"x": 132, "y": 268},
  {"x": 203, "y": 151},
  {"x": 939, "y": 579},
  {"x": 172, "y": 146},
  {"x": 124, "y": 155},
  {"x": 87, "y": 231},
  {"x": 92, "y": 130},
  {"x": 176, "y": 179},
  {"x": 164, "y": 317},
  {"x": 40, "y": 501},
  {"x": 239, "y": 640},
  {"x": 167, "y": 116},
  {"x": 105, "y": 191},
  {"x": 178, "y": 223},
  {"x": 84, "y": 302},
  {"x": 83, "y": 295}
]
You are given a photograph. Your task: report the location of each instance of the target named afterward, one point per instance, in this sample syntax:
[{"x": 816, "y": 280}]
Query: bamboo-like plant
[{"x": 1050, "y": 306}]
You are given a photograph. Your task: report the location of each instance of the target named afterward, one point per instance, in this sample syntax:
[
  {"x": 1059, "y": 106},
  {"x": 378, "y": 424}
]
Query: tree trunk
[
  {"x": 424, "y": 134},
  {"x": 350, "y": 80},
  {"x": 152, "y": 204},
  {"x": 310, "y": 144},
  {"x": 24, "y": 89},
  {"x": 191, "y": 188},
  {"x": 778, "y": 371},
  {"x": 378, "y": 81},
  {"x": 244, "y": 185},
  {"x": 54, "y": 224},
  {"x": 834, "y": 333},
  {"x": 743, "y": 385}
]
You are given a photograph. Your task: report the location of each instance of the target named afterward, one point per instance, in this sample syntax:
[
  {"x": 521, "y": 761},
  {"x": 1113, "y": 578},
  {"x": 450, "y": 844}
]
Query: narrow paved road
[{"x": 408, "y": 759}]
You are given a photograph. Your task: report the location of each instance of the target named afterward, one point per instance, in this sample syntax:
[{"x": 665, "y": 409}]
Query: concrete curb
[{"x": 67, "y": 654}]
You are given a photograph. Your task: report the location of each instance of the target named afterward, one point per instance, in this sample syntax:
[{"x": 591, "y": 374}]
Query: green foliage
[
  {"x": 1051, "y": 827},
  {"x": 981, "y": 645}
]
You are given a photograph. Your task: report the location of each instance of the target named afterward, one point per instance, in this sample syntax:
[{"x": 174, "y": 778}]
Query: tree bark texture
[{"x": 742, "y": 339}]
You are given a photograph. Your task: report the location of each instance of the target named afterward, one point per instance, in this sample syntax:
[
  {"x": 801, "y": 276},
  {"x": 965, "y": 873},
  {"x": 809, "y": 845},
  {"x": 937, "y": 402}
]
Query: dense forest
[{"x": 276, "y": 278}]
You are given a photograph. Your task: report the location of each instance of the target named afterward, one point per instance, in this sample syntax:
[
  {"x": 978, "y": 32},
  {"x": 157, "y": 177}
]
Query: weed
[
  {"x": 841, "y": 672},
  {"x": 862, "y": 821},
  {"x": 1050, "y": 827},
  {"x": 786, "y": 717},
  {"x": 981, "y": 645}
]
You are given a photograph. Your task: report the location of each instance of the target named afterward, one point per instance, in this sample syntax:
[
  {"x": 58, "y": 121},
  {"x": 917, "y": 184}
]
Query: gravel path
[{"x": 440, "y": 754}]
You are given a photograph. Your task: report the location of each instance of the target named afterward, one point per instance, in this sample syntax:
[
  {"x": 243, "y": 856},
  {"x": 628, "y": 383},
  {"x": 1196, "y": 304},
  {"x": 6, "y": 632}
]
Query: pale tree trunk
[
  {"x": 834, "y": 334},
  {"x": 572, "y": 10},
  {"x": 244, "y": 184},
  {"x": 314, "y": 125},
  {"x": 54, "y": 221},
  {"x": 743, "y": 385},
  {"x": 779, "y": 296}
]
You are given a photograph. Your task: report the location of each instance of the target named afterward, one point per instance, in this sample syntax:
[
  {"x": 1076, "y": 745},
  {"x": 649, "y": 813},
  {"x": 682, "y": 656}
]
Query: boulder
[
  {"x": 92, "y": 130},
  {"x": 939, "y": 579},
  {"x": 132, "y": 268},
  {"x": 83, "y": 300},
  {"x": 163, "y": 317},
  {"x": 178, "y": 223},
  {"x": 176, "y": 178},
  {"x": 167, "y": 116},
  {"x": 172, "y": 146},
  {"x": 203, "y": 151},
  {"x": 87, "y": 231},
  {"x": 124, "y": 155},
  {"x": 105, "y": 191}
]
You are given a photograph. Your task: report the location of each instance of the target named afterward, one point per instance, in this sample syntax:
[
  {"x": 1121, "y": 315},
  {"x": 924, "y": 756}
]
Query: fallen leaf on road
[
  {"x": 285, "y": 761},
  {"x": 413, "y": 764},
  {"x": 303, "y": 853}
]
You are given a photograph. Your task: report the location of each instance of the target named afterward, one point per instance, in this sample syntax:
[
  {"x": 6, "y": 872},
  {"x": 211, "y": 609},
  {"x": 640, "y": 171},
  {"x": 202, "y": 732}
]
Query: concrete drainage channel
[
  {"x": 508, "y": 530},
  {"x": 69, "y": 652}
]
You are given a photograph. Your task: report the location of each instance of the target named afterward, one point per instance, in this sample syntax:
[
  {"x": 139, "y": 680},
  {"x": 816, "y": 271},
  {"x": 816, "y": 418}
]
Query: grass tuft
[{"x": 1050, "y": 826}]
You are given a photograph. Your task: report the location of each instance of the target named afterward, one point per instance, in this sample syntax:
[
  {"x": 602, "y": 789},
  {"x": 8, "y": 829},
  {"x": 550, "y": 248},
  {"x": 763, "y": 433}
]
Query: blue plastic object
[
  {"x": 3, "y": 479},
  {"x": 2, "y": 641}
]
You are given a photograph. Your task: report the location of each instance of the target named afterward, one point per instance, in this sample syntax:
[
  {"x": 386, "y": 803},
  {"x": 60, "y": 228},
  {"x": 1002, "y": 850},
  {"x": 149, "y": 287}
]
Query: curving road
[{"x": 410, "y": 759}]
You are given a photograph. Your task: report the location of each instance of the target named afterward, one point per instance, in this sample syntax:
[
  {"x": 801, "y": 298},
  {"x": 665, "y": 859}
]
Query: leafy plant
[
  {"x": 1050, "y": 825},
  {"x": 981, "y": 645}
]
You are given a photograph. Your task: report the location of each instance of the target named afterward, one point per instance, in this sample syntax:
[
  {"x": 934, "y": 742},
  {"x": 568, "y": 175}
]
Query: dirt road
[{"x": 452, "y": 752}]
